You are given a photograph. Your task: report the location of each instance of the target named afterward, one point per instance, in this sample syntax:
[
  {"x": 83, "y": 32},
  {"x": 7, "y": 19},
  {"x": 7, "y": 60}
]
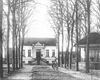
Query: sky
[{"x": 38, "y": 24}]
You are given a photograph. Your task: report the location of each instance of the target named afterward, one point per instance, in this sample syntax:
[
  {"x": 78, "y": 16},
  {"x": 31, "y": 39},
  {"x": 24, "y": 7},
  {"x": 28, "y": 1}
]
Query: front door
[{"x": 38, "y": 56}]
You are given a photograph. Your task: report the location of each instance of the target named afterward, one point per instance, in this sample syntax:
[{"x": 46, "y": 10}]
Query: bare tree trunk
[
  {"x": 8, "y": 30},
  {"x": 62, "y": 34},
  {"x": 67, "y": 51},
  {"x": 14, "y": 32},
  {"x": 1, "y": 59},
  {"x": 18, "y": 35},
  {"x": 70, "y": 56},
  {"x": 58, "y": 50},
  {"x": 19, "y": 52},
  {"x": 87, "y": 46},
  {"x": 77, "y": 58},
  {"x": 62, "y": 44},
  {"x": 70, "y": 61},
  {"x": 22, "y": 24},
  {"x": 22, "y": 49},
  {"x": 16, "y": 53},
  {"x": 68, "y": 37}
]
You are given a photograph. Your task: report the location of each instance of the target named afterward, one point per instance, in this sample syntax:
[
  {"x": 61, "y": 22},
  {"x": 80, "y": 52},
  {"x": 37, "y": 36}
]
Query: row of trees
[
  {"x": 72, "y": 19},
  {"x": 15, "y": 17}
]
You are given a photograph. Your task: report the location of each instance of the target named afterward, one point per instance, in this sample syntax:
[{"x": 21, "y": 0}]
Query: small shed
[{"x": 94, "y": 49}]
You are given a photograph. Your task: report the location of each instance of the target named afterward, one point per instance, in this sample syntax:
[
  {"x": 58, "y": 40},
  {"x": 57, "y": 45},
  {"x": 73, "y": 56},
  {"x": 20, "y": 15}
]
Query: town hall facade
[{"x": 37, "y": 48}]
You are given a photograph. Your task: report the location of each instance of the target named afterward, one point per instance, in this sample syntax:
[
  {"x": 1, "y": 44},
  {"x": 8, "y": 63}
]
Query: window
[
  {"x": 47, "y": 53},
  {"x": 29, "y": 53},
  {"x": 53, "y": 53},
  {"x": 23, "y": 53}
]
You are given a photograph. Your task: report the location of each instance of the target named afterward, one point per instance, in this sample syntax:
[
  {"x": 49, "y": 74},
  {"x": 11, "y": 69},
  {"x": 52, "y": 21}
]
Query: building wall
[
  {"x": 82, "y": 54},
  {"x": 25, "y": 57},
  {"x": 43, "y": 52},
  {"x": 34, "y": 53},
  {"x": 50, "y": 58},
  {"x": 50, "y": 48}
]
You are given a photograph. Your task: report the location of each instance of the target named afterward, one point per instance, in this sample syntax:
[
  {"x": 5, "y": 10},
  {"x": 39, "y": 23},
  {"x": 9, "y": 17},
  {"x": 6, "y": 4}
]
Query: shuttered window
[
  {"x": 29, "y": 53},
  {"x": 23, "y": 53},
  {"x": 53, "y": 53},
  {"x": 47, "y": 53}
]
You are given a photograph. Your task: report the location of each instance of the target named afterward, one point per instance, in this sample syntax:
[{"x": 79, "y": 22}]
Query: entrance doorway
[{"x": 38, "y": 56}]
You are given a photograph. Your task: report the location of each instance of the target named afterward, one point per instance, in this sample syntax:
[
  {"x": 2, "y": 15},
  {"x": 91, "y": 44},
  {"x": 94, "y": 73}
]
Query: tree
[
  {"x": 54, "y": 14},
  {"x": 87, "y": 46},
  {"x": 77, "y": 58},
  {"x": 71, "y": 35},
  {"x": 19, "y": 17},
  {"x": 19, "y": 33},
  {"x": 86, "y": 27},
  {"x": 1, "y": 62},
  {"x": 62, "y": 16},
  {"x": 14, "y": 30},
  {"x": 8, "y": 30},
  {"x": 24, "y": 14},
  {"x": 67, "y": 19},
  {"x": 61, "y": 6},
  {"x": 74, "y": 16}
]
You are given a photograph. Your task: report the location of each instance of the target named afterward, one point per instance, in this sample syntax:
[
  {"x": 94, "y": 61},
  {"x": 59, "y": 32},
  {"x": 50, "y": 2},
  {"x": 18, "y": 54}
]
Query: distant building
[
  {"x": 39, "y": 48},
  {"x": 94, "y": 49}
]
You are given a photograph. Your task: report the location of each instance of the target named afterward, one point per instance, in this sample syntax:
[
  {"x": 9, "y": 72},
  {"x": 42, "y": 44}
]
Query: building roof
[
  {"x": 94, "y": 38},
  {"x": 45, "y": 41}
]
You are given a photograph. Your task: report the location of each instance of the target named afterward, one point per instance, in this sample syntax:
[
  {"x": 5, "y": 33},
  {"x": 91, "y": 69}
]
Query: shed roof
[
  {"x": 94, "y": 38},
  {"x": 45, "y": 41}
]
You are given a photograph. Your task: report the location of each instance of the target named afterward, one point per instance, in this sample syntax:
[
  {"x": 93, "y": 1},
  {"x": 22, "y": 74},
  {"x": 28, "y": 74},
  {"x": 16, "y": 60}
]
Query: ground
[
  {"x": 39, "y": 72},
  {"x": 46, "y": 72}
]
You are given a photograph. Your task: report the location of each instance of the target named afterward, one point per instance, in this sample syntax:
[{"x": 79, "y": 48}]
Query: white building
[{"x": 37, "y": 48}]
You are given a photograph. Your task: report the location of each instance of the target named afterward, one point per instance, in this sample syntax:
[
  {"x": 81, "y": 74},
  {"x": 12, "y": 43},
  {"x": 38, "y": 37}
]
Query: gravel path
[
  {"x": 46, "y": 73},
  {"x": 40, "y": 72}
]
